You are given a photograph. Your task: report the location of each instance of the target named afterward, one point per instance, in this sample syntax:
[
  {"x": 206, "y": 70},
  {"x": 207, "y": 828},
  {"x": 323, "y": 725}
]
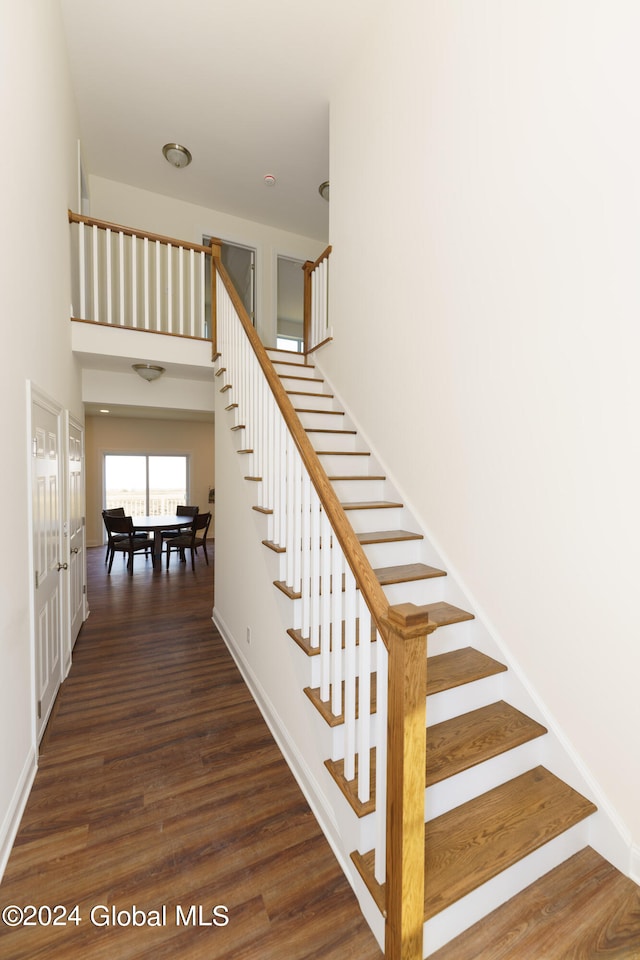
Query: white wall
[
  {"x": 154, "y": 213},
  {"x": 39, "y": 122},
  {"x": 485, "y": 223}
]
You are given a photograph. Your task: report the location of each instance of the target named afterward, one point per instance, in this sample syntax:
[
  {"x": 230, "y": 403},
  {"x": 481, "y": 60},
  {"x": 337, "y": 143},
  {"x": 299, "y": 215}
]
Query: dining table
[{"x": 156, "y": 525}]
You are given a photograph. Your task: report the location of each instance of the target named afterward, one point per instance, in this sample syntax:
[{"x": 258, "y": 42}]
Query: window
[
  {"x": 289, "y": 343},
  {"x": 145, "y": 485}
]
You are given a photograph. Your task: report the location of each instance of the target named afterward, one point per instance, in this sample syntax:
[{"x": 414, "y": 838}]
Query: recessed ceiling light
[
  {"x": 105, "y": 411},
  {"x": 176, "y": 155},
  {"x": 270, "y": 180}
]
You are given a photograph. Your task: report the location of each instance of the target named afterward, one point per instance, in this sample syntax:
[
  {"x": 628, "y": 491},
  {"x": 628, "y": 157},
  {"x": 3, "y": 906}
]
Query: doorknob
[{"x": 63, "y": 566}]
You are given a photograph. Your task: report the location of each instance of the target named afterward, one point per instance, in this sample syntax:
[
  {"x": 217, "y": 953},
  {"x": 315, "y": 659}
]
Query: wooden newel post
[
  {"x": 308, "y": 270},
  {"x": 216, "y": 253},
  {"x": 408, "y": 627}
]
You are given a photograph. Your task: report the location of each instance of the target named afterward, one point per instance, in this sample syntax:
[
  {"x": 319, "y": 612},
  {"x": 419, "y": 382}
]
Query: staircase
[{"x": 503, "y": 806}]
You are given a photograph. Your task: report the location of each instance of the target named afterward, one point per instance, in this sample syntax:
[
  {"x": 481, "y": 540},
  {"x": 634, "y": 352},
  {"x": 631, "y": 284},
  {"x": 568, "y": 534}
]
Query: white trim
[
  {"x": 296, "y": 762},
  {"x": 635, "y": 863},
  {"x": 16, "y": 809}
]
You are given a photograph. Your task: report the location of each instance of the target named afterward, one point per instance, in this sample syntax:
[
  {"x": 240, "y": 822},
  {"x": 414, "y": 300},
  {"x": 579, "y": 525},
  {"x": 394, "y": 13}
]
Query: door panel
[
  {"x": 47, "y": 522},
  {"x": 76, "y": 531}
]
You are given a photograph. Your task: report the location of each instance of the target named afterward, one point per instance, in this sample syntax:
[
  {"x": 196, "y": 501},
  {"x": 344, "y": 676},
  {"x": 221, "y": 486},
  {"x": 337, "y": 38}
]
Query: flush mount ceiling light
[
  {"x": 323, "y": 190},
  {"x": 148, "y": 371},
  {"x": 176, "y": 155}
]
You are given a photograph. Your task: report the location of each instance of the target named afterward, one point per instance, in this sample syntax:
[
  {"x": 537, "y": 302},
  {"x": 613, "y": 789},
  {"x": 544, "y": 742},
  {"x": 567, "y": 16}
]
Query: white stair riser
[
  {"x": 319, "y": 401},
  {"x": 321, "y": 419},
  {"x": 350, "y": 491},
  {"x": 476, "y": 905},
  {"x": 334, "y": 441},
  {"x": 417, "y": 591},
  {"x": 451, "y": 793}
]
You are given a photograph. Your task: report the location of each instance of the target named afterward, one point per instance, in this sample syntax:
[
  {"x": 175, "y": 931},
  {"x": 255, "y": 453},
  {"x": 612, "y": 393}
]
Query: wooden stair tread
[
  {"x": 386, "y": 576},
  {"x": 454, "y": 669},
  {"x": 370, "y": 505},
  {"x": 351, "y": 433},
  {"x": 343, "y": 453},
  {"x": 444, "y": 614},
  {"x": 308, "y": 393},
  {"x": 356, "y": 476},
  {"x": 444, "y": 672},
  {"x": 387, "y": 536},
  {"x": 583, "y": 908},
  {"x": 462, "y": 742},
  {"x": 473, "y": 843},
  {"x": 292, "y": 363},
  {"x": 453, "y": 746},
  {"x": 325, "y": 413},
  {"x": 289, "y": 376},
  {"x": 305, "y": 643},
  {"x": 406, "y": 573}
]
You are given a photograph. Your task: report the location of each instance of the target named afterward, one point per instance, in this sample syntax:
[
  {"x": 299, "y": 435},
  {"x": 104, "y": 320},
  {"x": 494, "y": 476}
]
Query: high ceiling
[{"x": 243, "y": 84}]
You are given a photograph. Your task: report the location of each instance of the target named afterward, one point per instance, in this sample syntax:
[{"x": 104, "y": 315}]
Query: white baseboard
[
  {"x": 635, "y": 863},
  {"x": 303, "y": 774},
  {"x": 12, "y": 820}
]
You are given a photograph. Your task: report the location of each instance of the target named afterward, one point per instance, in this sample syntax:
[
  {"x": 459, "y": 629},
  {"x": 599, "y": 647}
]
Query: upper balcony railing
[
  {"x": 316, "y": 302},
  {"x": 133, "y": 279},
  {"x": 137, "y": 280}
]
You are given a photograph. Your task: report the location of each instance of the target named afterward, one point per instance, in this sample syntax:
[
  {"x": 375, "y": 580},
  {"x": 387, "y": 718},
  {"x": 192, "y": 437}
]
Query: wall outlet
[{"x": 249, "y": 635}]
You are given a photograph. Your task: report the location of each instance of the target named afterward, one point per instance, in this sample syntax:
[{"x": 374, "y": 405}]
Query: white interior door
[
  {"x": 75, "y": 532},
  {"x": 49, "y": 568}
]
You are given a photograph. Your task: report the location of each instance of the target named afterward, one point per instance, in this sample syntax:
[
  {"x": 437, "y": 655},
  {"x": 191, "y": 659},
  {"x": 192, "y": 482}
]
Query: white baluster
[
  {"x": 350, "y": 598},
  {"x": 325, "y": 609},
  {"x": 181, "y": 290},
  {"x": 134, "y": 281},
  {"x": 83, "y": 277},
  {"x": 96, "y": 283},
  {"x": 170, "y": 288},
  {"x": 363, "y": 736},
  {"x": 109, "y": 276},
  {"x": 121, "y": 275},
  {"x": 316, "y": 560},
  {"x": 203, "y": 322},
  {"x": 381, "y": 759},
  {"x": 337, "y": 566},
  {"x": 145, "y": 281},
  {"x": 192, "y": 291},
  {"x": 158, "y": 267}
]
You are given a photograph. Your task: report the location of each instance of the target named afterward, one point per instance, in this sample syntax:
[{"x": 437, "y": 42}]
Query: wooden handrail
[
  {"x": 403, "y": 629},
  {"x": 143, "y": 234},
  {"x": 351, "y": 547}
]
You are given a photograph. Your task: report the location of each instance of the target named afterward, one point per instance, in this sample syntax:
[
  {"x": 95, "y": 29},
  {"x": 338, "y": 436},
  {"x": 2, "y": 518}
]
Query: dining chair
[
  {"x": 196, "y": 537},
  {"x": 182, "y": 510},
  {"x": 118, "y": 512},
  {"x": 124, "y": 539}
]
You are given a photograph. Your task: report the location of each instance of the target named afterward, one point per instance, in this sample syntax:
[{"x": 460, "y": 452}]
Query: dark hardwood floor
[{"x": 159, "y": 785}]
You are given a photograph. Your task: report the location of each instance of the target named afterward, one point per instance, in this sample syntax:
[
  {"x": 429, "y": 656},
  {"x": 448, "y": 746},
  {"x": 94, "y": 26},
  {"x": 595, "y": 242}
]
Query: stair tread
[
  {"x": 444, "y": 672},
  {"x": 387, "y": 536},
  {"x": 453, "y": 746},
  {"x": 324, "y": 413},
  {"x": 386, "y": 576},
  {"x": 343, "y": 453},
  {"x": 406, "y": 573},
  {"x": 350, "y": 433},
  {"x": 308, "y": 393},
  {"x": 458, "y": 667},
  {"x": 584, "y": 907},
  {"x": 356, "y": 476},
  {"x": 473, "y": 843},
  {"x": 370, "y": 505}
]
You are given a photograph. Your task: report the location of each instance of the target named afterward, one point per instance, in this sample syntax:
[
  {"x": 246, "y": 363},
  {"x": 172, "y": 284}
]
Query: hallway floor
[{"x": 161, "y": 790}]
